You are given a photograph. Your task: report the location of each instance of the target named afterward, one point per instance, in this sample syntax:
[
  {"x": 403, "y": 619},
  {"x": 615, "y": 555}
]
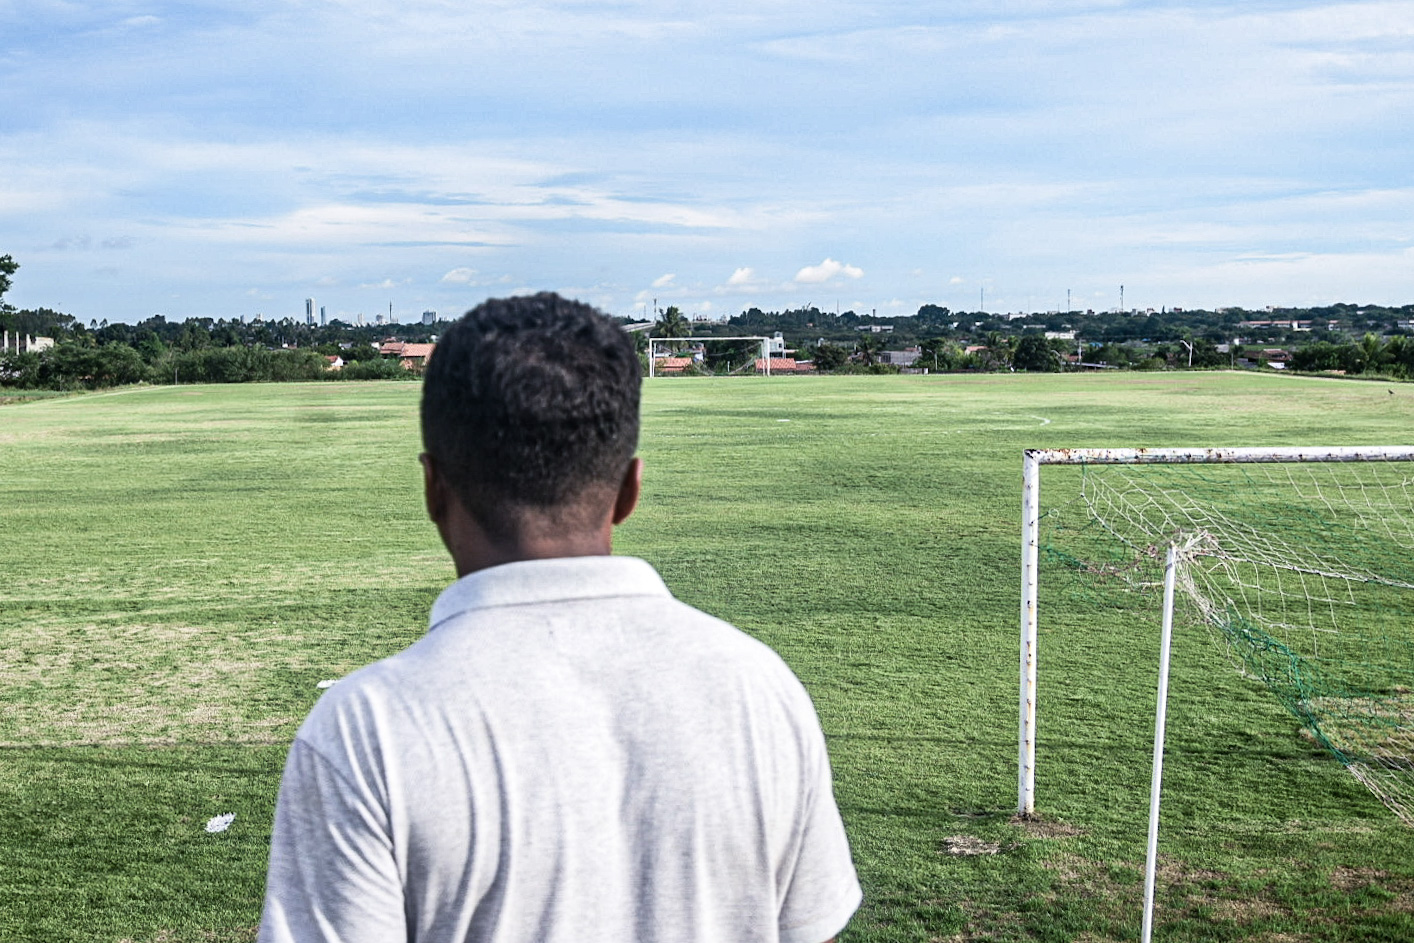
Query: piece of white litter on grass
[
  {"x": 968, "y": 845},
  {"x": 782, "y": 420},
  {"x": 327, "y": 683},
  {"x": 221, "y": 822}
]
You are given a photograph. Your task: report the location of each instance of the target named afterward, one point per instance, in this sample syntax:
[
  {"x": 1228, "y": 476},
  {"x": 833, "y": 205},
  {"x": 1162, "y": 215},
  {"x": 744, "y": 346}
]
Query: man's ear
[
  {"x": 434, "y": 489},
  {"x": 629, "y": 490}
]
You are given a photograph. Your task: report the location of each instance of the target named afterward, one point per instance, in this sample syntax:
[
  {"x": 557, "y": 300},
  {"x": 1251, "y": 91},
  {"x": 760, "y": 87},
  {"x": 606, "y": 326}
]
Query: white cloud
[
  {"x": 955, "y": 280},
  {"x": 742, "y": 276},
  {"x": 385, "y": 283},
  {"x": 663, "y": 281},
  {"x": 826, "y": 270},
  {"x": 460, "y": 276}
]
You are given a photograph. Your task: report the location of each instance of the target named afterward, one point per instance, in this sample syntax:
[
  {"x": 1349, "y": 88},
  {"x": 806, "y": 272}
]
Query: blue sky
[{"x": 215, "y": 158}]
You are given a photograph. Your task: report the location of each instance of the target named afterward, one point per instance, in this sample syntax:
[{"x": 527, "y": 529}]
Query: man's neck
[
  {"x": 480, "y": 554},
  {"x": 585, "y": 529}
]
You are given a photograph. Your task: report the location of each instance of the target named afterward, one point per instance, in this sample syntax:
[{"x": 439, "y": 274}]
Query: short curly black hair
[{"x": 529, "y": 404}]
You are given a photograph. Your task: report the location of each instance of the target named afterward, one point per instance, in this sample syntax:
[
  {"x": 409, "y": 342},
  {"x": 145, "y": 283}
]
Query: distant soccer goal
[
  {"x": 1299, "y": 561},
  {"x": 727, "y": 355}
]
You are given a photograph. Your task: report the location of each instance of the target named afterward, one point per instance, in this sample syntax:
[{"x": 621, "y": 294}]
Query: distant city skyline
[{"x": 228, "y": 159}]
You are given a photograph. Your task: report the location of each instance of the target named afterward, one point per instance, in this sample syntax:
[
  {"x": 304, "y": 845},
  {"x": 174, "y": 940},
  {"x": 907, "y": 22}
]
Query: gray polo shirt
[{"x": 568, "y": 754}]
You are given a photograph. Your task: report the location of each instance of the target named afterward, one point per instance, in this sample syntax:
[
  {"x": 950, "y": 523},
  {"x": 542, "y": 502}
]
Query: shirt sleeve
[
  {"x": 823, "y": 890},
  {"x": 333, "y": 875}
]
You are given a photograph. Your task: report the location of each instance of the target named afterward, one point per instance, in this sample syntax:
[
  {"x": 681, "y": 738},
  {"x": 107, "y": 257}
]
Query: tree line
[
  {"x": 196, "y": 350},
  {"x": 1354, "y": 339}
]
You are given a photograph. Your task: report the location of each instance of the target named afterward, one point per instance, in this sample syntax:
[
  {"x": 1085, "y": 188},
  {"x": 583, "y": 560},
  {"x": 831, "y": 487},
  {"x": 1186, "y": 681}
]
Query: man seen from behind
[{"x": 569, "y": 754}]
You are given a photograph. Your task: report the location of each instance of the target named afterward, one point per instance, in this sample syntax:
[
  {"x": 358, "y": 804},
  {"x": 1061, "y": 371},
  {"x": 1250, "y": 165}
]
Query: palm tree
[
  {"x": 1000, "y": 348},
  {"x": 672, "y": 324},
  {"x": 1371, "y": 347}
]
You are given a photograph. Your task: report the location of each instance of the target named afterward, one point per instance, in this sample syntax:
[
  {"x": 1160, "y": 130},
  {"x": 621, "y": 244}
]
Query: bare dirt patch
[
  {"x": 1037, "y": 827},
  {"x": 1245, "y": 909},
  {"x": 1353, "y": 879}
]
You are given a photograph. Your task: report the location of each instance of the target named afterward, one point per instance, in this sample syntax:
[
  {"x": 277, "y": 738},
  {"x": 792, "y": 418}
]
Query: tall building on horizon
[
  {"x": 429, "y": 317},
  {"x": 323, "y": 317},
  {"x": 309, "y": 311}
]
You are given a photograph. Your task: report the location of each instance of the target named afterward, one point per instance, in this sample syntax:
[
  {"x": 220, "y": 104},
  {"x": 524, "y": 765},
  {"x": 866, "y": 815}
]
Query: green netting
[{"x": 1304, "y": 572}]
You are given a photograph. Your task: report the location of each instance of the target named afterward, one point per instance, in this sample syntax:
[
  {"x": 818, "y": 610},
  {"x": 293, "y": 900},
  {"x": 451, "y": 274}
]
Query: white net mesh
[{"x": 1305, "y": 572}]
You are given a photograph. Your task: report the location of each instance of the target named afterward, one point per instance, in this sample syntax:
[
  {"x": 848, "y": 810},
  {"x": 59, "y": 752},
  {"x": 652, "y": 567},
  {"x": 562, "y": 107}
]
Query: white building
[{"x": 20, "y": 343}]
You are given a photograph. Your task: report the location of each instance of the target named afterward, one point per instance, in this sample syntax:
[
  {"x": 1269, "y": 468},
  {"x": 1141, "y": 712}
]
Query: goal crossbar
[{"x": 1033, "y": 459}]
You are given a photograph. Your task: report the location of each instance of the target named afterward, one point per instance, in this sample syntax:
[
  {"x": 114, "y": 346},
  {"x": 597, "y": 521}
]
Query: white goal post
[
  {"x": 765, "y": 347},
  {"x": 1033, "y": 459}
]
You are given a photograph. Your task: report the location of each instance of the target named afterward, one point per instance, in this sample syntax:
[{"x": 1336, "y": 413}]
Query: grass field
[{"x": 179, "y": 567}]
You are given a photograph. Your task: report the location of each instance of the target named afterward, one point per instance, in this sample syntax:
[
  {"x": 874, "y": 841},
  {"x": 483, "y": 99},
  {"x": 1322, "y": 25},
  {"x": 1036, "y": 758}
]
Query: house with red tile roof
[
  {"x": 785, "y": 365},
  {"x": 414, "y": 357},
  {"x": 663, "y": 365}
]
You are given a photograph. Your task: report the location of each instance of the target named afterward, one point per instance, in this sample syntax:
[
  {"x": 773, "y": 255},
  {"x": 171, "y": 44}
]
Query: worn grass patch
[{"x": 116, "y": 682}]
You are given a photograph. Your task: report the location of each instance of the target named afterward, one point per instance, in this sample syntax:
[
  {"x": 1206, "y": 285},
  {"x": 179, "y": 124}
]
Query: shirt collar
[{"x": 527, "y": 582}]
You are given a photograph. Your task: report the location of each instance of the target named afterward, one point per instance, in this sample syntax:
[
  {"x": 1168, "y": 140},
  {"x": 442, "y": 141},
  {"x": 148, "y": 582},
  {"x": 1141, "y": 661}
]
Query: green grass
[{"x": 181, "y": 566}]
